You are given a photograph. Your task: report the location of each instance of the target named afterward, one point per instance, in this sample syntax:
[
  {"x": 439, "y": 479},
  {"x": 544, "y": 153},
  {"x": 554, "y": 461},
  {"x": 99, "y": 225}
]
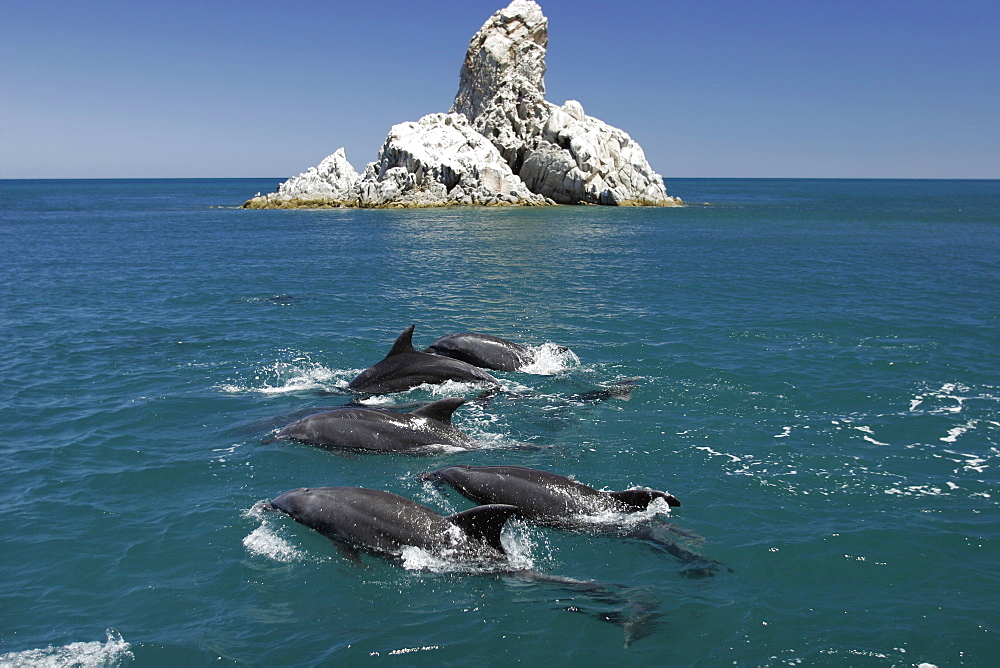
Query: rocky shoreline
[{"x": 501, "y": 144}]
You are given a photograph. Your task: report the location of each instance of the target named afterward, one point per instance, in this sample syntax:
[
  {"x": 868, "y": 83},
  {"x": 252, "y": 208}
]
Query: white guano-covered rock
[
  {"x": 502, "y": 142},
  {"x": 437, "y": 161},
  {"x": 502, "y": 84},
  {"x": 559, "y": 152},
  {"x": 578, "y": 158},
  {"x": 330, "y": 182}
]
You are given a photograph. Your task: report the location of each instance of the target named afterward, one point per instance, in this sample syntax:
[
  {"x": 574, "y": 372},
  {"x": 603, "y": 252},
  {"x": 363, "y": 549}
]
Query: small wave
[
  {"x": 950, "y": 398},
  {"x": 869, "y": 435},
  {"x": 114, "y": 652},
  {"x": 716, "y": 453},
  {"x": 407, "y": 650},
  {"x": 971, "y": 462},
  {"x": 917, "y": 490},
  {"x": 955, "y": 432},
  {"x": 550, "y": 359},
  {"x": 276, "y": 300}
]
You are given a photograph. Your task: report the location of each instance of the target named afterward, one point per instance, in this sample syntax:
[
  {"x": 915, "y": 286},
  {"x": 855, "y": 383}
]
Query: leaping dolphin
[
  {"x": 385, "y": 523},
  {"x": 405, "y": 368},
  {"x": 381, "y": 430}
]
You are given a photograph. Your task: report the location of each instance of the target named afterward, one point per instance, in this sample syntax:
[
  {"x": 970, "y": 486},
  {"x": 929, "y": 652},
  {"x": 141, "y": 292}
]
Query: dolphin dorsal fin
[
  {"x": 641, "y": 498},
  {"x": 404, "y": 343},
  {"x": 440, "y": 410},
  {"x": 484, "y": 523}
]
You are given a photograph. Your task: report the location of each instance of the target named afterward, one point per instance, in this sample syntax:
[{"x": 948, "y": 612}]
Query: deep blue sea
[{"x": 817, "y": 378}]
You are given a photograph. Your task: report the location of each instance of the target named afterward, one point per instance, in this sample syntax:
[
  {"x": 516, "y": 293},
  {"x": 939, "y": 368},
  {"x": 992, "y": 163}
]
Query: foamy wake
[
  {"x": 550, "y": 360},
  {"x": 114, "y": 652},
  {"x": 297, "y": 374},
  {"x": 624, "y": 520}
]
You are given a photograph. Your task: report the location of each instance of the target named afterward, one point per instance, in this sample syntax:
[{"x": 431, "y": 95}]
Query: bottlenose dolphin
[
  {"x": 380, "y": 429},
  {"x": 405, "y": 368},
  {"x": 482, "y": 350},
  {"x": 385, "y": 523},
  {"x": 381, "y": 523},
  {"x": 542, "y": 496},
  {"x": 551, "y": 499}
]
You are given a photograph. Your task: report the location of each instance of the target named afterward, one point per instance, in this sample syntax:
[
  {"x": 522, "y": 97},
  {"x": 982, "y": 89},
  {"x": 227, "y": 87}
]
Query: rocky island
[{"x": 501, "y": 143}]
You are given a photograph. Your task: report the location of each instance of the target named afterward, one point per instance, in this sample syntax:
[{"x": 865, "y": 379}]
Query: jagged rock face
[
  {"x": 559, "y": 152},
  {"x": 502, "y": 85},
  {"x": 330, "y": 181},
  {"x": 502, "y": 143},
  {"x": 578, "y": 158},
  {"x": 440, "y": 160}
]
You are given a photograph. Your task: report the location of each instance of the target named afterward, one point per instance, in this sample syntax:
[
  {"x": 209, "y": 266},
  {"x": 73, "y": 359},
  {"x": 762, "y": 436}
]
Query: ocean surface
[{"x": 816, "y": 375}]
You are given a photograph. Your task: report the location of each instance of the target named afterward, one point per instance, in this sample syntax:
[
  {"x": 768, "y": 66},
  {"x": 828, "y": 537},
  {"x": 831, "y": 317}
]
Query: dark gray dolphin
[
  {"x": 405, "y": 368},
  {"x": 381, "y": 430},
  {"x": 482, "y": 350},
  {"x": 551, "y": 499},
  {"x": 385, "y": 523},
  {"x": 542, "y": 496}
]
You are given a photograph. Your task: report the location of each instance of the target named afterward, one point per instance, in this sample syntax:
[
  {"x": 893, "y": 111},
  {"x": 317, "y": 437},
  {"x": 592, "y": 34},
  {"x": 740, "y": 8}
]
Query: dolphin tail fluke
[
  {"x": 404, "y": 343},
  {"x": 641, "y": 498},
  {"x": 484, "y": 523},
  {"x": 440, "y": 410}
]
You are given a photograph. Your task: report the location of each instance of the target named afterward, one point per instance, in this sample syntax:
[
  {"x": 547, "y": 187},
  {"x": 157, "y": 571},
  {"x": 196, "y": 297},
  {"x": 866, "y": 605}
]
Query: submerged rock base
[{"x": 502, "y": 143}]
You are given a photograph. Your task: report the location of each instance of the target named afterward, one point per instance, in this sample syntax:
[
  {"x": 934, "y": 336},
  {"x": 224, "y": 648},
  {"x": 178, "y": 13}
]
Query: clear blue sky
[{"x": 723, "y": 88}]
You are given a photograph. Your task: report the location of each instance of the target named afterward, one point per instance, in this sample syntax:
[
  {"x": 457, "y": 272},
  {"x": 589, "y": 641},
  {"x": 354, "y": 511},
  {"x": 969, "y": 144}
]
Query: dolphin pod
[
  {"x": 382, "y": 523},
  {"x": 380, "y": 429}
]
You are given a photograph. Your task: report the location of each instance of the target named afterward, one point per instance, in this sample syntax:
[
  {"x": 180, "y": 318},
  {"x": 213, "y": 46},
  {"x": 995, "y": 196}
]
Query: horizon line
[{"x": 667, "y": 179}]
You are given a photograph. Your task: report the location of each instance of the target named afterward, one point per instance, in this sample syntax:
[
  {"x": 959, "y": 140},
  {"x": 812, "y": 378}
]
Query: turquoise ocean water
[{"x": 818, "y": 381}]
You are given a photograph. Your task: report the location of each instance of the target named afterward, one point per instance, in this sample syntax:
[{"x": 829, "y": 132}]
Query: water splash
[
  {"x": 114, "y": 652},
  {"x": 518, "y": 542},
  {"x": 550, "y": 359},
  {"x": 265, "y": 541},
  {"x": 298, "y": 373}
]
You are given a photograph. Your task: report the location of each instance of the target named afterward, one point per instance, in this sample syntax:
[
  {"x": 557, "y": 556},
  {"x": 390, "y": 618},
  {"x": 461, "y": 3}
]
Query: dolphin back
[{"x": 482, "y": 350}]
